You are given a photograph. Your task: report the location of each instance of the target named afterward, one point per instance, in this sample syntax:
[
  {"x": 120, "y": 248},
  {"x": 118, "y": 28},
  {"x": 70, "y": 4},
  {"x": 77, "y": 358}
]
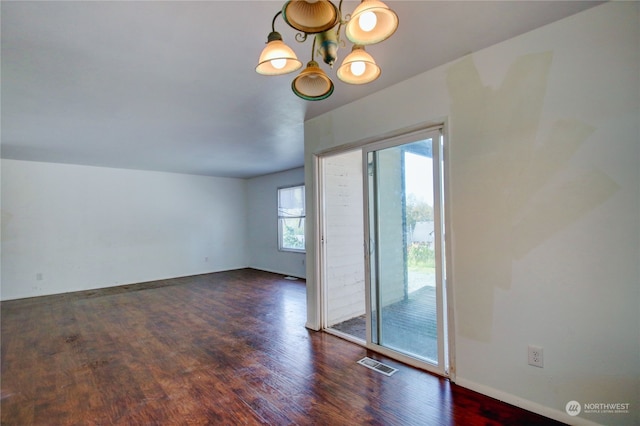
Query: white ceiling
[{"x": 171, "y": 86}]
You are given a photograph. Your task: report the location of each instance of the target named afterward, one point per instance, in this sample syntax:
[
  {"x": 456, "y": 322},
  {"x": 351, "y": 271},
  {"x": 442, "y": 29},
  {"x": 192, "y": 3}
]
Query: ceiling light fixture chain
[{"x": 371, "y": 22}]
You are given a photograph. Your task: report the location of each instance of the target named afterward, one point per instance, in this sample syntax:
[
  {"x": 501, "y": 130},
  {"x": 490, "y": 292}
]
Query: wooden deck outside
[
  {"x": 225, "y": 349},
  {"x": 409, "y": 325}
]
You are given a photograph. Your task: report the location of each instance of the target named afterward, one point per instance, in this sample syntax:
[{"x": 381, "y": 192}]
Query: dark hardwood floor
[{"x": 226, "y": 348}]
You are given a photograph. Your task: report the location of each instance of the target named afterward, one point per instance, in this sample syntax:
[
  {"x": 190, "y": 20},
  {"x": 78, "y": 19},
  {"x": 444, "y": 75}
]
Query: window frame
[{"x": 281, "y": 218}]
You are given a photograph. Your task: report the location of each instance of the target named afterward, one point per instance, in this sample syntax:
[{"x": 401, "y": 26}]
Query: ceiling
[{"x": 170, "y": 86}]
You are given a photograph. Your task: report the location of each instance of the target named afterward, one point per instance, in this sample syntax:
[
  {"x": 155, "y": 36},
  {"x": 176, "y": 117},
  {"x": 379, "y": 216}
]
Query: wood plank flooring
[{"x": 228, "y": 348}]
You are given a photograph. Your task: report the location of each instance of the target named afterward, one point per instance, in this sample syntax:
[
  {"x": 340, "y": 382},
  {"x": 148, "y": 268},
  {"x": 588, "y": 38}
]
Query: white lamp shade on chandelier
[
  {"x": 371, "y": 23},
  {"x": 310, "y": 17},
  {"x": 358, "y": 67},
  {"x": 277, "y": 58},
  {"x": 312, "y": 84}
]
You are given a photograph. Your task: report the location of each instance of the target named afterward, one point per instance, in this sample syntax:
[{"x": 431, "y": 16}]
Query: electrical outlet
[{"x": 535, "y": 356}]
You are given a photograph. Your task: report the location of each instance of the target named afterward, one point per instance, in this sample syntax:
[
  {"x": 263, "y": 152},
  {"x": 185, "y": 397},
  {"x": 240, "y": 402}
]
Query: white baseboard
[
  {"x": 534, "y": 407},
  {"x": 273, "y": 271},
  {"x": 312, "y": 327}
]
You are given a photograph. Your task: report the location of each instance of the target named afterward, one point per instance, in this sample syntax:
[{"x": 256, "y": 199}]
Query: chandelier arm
[
  {"x": 347, "y": 17},
  {"x": 313, "y": 49},
  {"x": 344, "y": 21},
  {"x": 340, "y": 23},
  {"x": 301, "y": 37},
  {"x": 341, "y": 42},
  {"x": 273, "y": 22}
]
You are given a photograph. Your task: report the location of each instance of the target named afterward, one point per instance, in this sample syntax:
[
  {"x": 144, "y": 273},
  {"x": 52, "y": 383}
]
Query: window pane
[
  {"x": 292, "y": 233},
  {"x": 291, "y": 201},
  {"x": 291, "y": 214}
]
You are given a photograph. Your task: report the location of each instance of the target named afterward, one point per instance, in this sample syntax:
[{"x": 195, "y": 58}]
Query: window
[{"x": 291, "y": 214}]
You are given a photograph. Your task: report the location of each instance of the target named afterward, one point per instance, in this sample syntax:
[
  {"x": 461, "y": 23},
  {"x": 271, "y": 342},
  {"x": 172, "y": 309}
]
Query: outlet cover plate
[{"x": 535, "y": 356}]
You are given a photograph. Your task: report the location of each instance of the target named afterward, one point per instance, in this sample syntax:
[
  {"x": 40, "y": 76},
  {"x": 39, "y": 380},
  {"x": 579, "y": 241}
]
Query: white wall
[
  {"x": 262, "y": 231},
  {"x": 67, "y": 228},
  {"x": 544, "y": 203}
]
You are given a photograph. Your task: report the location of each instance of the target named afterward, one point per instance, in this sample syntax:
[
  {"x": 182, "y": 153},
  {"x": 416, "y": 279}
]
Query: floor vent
[{"x": 378, "y": 366}]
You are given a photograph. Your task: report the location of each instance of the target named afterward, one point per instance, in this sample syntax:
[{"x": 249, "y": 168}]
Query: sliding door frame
[{"x": 448, "y": 314}]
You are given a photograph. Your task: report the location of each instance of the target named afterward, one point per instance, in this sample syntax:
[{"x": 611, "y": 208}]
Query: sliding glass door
[
  {"x": 392, "y": 299},
  {"x": 405, "y": 262}
]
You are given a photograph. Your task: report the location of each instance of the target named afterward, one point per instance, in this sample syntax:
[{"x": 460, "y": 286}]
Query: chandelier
[{"x": 370, "y": 23}]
